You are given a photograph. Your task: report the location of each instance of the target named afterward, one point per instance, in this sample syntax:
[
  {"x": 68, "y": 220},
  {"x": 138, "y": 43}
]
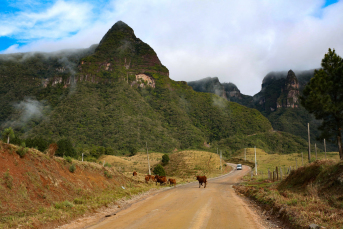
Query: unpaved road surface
[{"x": 188, "y": 206}]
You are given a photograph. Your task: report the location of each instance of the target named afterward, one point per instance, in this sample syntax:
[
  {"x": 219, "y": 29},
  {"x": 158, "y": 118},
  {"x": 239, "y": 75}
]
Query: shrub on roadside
[
  {"x": 64, "y": 204},
  {"x": 159, "y": 170},
  {"x": 21, "y": 151},
  {"x": 68, "y": 159},
  {"x": 72, "y": 168},
  {"x": 8, "y": 179},
  {"x": 107, "y": 165},
  {"x": 107, "y": 174}
]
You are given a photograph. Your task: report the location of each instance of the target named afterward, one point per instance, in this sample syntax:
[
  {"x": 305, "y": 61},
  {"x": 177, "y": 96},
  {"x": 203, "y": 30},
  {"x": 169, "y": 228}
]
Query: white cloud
[
  {"x": 238, "y": 41},
  {"x": 55, "y": 22}
]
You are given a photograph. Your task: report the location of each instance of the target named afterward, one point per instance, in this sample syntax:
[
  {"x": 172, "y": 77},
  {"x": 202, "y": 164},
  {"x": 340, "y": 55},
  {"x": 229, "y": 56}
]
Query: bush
[
  {"x": 159, "y": 170},
  {"x": 165, "y": 159},
  {"x": 64, "y": 204},
  {"x": 72, "y": 168},
  {"x": 21, "y": 151},
  {"x": 68, "y": 159},
  {"x": 8, "y": 179},
  {"x": 107, "y": 165},
  {"x": 107, "y": 174},
  {"x": 78, "y": 201}
]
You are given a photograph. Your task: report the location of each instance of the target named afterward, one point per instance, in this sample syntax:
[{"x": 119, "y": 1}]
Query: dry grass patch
[
  {"x": 267, "y": 161},
  {"x": 187, "y": 164},
  {"x": 183, "y": 165}
]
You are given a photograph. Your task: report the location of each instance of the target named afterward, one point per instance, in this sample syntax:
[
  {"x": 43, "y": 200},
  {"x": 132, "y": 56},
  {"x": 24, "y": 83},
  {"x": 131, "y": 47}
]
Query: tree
[
  {"x": 65, "y": 148},
  {"x": 323, "y": 97},
  {"x": 132, "y": 150},
  {"x": 159, "y": 170},
  {"x": 165, "y": 159},
  {"x": 8, "y": 133}
]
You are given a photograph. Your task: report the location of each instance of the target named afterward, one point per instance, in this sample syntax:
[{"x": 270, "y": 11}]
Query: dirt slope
[{"x": 36, "y": 182}]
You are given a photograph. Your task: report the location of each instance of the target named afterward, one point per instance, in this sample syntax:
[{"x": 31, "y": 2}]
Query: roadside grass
[
  {"x": 65, "y": 211},
  {"x": 310, "y": 194}
]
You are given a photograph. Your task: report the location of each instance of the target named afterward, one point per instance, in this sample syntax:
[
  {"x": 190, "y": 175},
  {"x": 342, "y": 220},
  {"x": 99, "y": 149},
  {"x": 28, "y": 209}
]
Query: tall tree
[
  {"x": 8, "y": 133},
  {"x": 323, "y": 96}
]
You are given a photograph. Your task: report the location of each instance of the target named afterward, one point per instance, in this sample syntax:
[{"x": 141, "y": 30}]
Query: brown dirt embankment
[{"x": 36, "y": 189}]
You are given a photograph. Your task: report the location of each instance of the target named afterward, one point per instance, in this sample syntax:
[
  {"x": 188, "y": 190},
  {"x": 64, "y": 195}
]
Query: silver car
[{"x": 239, "y": 166}]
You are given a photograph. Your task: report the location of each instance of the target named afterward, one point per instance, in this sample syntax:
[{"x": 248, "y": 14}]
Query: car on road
[{"x": 239, "y": 166}]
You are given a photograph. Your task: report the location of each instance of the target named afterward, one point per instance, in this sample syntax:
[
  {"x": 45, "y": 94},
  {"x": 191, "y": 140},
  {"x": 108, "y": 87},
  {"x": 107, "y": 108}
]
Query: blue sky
[{"x": 237, "y": 41}]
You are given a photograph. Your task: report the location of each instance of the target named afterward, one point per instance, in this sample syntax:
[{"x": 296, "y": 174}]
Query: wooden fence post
[
  {"x": 269, "y": 175},
  {"x": 277, "y": 173},
  {"x": 280, "y": 173}
]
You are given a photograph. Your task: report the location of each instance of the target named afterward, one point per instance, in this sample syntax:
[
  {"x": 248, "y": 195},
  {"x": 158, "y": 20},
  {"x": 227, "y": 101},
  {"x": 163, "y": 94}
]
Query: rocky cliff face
[
  {"x": 290, "y": 92},
  {"x": 278, "y": 91}
]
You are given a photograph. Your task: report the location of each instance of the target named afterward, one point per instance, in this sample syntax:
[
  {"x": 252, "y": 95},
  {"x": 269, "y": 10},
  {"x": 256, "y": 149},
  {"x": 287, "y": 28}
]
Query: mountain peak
[
  {"x": 120, "y": 52},
  {"x": 291, "y": 76},
  {"x": 119, "y": 28}
]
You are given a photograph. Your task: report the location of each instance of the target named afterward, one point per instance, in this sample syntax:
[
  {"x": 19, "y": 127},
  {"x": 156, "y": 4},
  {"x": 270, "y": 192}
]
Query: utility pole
[
  {"x": 309, "y": 143},
  {"x": 325, "y": 148},
  {"x": 82, "y": 156},
  {"x": 245, "y": 154},
  {"x": 255, "y": 162},
  {"x": 147, "y": 153},
  {"x": 315, "y": 149},
  {"x": 221, "y": 167}
]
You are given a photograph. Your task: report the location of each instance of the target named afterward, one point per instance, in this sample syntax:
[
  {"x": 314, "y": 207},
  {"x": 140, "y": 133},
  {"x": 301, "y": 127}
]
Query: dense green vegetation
[
  {"x": 105, "y": 112},
  {"x": 293, "y": 121}
]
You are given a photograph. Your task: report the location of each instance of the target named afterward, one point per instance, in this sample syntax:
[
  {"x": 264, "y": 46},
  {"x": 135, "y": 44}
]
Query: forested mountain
[
  {"x": 117, "y": 95},
  {"x": 277, "y": 101}
]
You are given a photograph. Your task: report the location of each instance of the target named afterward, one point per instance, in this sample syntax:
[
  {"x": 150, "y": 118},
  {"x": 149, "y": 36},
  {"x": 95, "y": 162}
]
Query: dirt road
[{"x": 188, "y": 206}]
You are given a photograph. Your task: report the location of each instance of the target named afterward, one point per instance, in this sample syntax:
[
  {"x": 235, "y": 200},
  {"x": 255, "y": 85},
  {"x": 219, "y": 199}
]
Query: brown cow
[
  {"x": 202, "y": 179},
  {"x": 172, "y": 182},
  {"x": 160, "y": 179},
  {"x": 134, "y": 173},
  {"x": 149, "y": 177},
  {"x": 152, "y": 177}
]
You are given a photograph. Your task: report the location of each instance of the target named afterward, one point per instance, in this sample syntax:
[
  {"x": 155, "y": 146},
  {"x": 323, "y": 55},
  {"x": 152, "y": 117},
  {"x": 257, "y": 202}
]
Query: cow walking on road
[{"x": 202, "y": 179}]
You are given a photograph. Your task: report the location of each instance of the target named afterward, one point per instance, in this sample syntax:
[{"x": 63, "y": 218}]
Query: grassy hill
[{"x": 183, "y": 165}]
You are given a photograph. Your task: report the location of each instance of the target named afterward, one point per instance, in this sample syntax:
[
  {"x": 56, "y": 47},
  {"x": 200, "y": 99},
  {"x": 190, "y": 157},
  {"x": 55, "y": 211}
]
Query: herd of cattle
[{"x": 163, "y": 179}]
